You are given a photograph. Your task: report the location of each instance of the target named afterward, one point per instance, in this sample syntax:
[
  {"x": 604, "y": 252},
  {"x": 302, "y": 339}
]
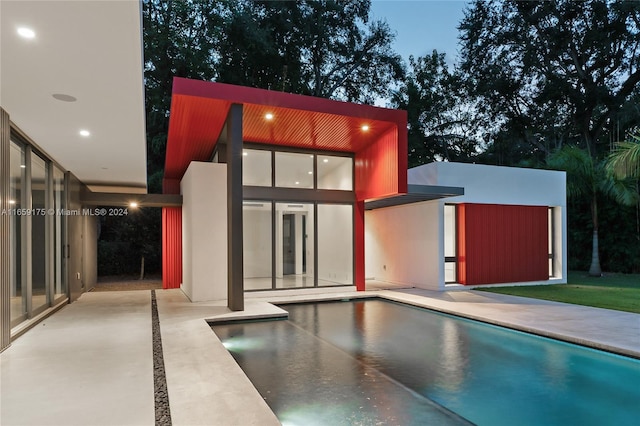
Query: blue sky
[{"x": 422, "y": 25}]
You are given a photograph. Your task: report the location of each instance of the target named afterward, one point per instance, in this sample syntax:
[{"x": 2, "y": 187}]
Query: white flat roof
[{"x": 91, "y": 50}]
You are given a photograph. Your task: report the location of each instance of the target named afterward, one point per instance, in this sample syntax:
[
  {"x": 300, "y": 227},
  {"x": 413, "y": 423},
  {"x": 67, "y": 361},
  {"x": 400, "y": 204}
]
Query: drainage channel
[{"x": 161, "y": 396}]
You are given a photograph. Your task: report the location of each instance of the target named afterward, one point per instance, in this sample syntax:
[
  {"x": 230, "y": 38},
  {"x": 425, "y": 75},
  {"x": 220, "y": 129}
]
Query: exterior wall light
[
  {"x": 133, "y": 204},
  {"x": 365, "y": 128},
  {"x": 268, "y": 116}
]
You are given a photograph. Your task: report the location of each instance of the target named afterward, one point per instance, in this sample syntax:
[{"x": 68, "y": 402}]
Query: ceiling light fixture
[
  {"x": 268, "y": 116},
  {"x": 297, "y": 183},
  {"x": 26, "y": 32},
  {"x": 85, "y": 133}
]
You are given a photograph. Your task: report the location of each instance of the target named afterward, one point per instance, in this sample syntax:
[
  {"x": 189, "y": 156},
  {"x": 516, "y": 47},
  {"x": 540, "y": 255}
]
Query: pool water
[{"x": 379, "y": 362}]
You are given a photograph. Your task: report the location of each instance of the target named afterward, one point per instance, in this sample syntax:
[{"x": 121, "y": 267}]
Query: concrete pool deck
[{"x": 91, "y": 363}]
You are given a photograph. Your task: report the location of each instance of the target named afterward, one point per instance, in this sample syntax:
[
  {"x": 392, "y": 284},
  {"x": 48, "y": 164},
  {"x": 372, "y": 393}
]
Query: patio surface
[{"x": 92, "y": 362}]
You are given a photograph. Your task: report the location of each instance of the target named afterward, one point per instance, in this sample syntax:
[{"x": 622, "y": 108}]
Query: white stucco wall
[
  {"x": 204, "y": 231},
  {"x": 495, "y": 184},
  {"x": 403, "y": 245}
]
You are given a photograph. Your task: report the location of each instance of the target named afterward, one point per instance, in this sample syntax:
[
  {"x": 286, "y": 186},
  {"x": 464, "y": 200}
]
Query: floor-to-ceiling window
[
  {"x": 58, "y": 233},
  {"x": 298, "y": 218},
  {"x": 335, "y": 252},
  {"x": 17, "y": 165},
  {"x": 295, "y": 246},
  {"x": 450, "y": 250},
  {"x": 39, "y": 239},
  {"x": 36, "y": 232}
]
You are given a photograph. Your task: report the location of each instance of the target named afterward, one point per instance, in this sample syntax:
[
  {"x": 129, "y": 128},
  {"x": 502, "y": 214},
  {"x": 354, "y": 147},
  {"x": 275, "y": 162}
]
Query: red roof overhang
[{"x": 199, "y": 110}]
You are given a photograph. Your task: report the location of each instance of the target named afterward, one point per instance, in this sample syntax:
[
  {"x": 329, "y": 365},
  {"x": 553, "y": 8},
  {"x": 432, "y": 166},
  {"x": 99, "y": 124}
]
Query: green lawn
[{"x": 612, "y": 291}]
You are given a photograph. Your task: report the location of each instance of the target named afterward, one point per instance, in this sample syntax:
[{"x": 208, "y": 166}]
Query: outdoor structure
[
  {"x": 72, "y": 137},
  {"x": 509, "y": 227},
  {"x": 275, "y": 187}
]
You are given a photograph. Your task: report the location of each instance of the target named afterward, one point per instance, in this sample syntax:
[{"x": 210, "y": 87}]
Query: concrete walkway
[{"x": 92, "y": 362}]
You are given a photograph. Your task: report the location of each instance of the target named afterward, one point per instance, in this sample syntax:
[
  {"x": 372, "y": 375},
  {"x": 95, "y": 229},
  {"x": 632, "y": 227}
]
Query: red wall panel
[
  {"x": 502, "y": 243},
  {"x": 171, "y": 247},
  {"x": 381, "y": 168},
  {"x": 358, "y": 212}
]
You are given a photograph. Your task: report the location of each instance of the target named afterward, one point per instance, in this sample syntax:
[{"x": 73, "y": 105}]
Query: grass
[{"x": 620, "y": 292}]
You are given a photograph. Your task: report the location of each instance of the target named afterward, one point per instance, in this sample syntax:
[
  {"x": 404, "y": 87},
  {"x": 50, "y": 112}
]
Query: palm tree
[
  {"x": 624, "y": 161},
  {"x": 588, "y": 178}
]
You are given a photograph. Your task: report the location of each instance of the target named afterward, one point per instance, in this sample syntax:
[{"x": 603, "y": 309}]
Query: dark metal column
[
  {"x": 235, "y": 280},
  {"x": 5, "y": 299}
]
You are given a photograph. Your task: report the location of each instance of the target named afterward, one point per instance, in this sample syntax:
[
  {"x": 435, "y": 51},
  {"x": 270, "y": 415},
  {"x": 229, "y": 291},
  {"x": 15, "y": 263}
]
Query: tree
[
  {"x": 587, "y": 178},
  {"x": 180, "y": 40},
  {"x": 555, "y": 71},
  {"x": 324, "y": 48},
  {"x": 441, "y": 126},
  {"x": 624, "y": 162}
]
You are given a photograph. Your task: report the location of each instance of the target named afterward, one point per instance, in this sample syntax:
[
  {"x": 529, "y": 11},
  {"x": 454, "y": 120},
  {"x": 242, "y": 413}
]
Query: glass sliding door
[
  {"x": 450, "y": 244},
  {"x": 257, "y": 245},
  {"x": 39, "y": 240},
  {"x": 59, "y": 276},
  {"x": 17, "y": 198},
  {"x": 335, "y": 244},
  {"x": 294, "y": 241}
]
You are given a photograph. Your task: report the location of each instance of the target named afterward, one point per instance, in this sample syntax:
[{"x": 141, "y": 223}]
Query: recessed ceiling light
[
  {"x": 326, "y": 160},
  {"x": 64, "y": 98},
  {"x": 365, "y": 128},
  {"x": 26, "y": 32},
  {"x": 133, "y": 204},
  {"x": 268, "y": 116},
  {"x": 310, "y": 173},
  {"x": 297, "y": 183},
  {"x": 85, "y": 133}
]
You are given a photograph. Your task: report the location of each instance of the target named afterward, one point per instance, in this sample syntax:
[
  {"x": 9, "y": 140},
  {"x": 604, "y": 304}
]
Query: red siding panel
[
  {"x": 502, "y": 244},
  {"x": 171, "y": 247},
  {"x": 359, "y": 245},
  {"x": 378, "y": 168}
]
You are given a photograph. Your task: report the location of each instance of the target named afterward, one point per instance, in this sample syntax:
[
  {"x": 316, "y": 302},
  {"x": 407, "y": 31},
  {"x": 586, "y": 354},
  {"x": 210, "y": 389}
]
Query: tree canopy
[{"x": 552, "y": 71}]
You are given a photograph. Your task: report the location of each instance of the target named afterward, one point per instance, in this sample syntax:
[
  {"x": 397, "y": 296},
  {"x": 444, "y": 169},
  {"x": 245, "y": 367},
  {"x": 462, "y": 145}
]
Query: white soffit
[{"x": 91, "y": 50}]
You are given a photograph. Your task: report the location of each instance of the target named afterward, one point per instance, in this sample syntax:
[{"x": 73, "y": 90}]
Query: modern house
[
  {"x": 287, "y": 191},
  {"x": 263, "y": 190}
]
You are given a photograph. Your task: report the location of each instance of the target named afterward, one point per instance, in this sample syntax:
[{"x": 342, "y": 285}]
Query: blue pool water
[{"x": 379, "y": 362}]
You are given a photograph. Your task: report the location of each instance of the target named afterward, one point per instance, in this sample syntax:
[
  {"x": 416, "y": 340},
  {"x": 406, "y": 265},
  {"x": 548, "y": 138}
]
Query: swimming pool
[{"x": 381, "y": 362}]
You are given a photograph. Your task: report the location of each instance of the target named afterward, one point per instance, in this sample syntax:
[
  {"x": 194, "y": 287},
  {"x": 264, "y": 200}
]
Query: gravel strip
[{"x": 163, "y": 413}]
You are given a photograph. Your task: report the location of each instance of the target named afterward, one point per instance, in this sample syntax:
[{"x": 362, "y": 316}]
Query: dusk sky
[{"x": 422, "y": 25}]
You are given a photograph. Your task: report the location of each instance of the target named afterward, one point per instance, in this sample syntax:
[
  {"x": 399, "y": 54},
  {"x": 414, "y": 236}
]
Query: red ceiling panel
[{"x": 199, "y": 110}]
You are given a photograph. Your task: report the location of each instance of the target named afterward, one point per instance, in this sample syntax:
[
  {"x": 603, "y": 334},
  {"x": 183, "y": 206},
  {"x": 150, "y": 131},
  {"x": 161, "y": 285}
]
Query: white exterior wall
[
  {"x": 404, "y": 245},
  {"x": 495, "y": 184},
  {"x": 204, "y": 231}
]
